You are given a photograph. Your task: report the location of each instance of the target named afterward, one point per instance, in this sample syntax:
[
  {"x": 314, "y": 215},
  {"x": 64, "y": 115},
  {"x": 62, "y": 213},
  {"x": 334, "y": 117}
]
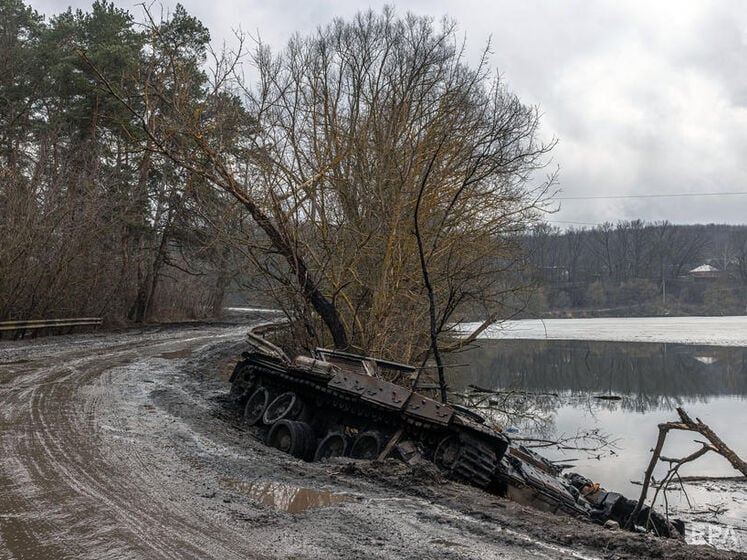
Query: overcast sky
[{"x": 646, "y": 98}]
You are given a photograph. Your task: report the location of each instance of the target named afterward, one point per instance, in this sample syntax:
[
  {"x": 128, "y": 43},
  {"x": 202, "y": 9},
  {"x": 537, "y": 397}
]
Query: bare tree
[
  {"x": 387, "y": 178},
  {"x": 739, "y": 240},
  {"x": 427, "y": 161}
]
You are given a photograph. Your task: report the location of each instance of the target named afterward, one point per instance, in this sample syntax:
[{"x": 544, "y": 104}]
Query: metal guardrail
[{"x": 21, "y": 326}]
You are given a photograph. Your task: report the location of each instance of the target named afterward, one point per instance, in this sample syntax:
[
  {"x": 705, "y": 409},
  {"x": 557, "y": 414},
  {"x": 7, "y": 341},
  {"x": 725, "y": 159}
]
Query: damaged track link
[{"x": 337, "y": 404}]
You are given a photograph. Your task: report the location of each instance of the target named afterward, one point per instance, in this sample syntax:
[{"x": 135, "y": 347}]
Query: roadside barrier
[{"x": 20, "y": 327}]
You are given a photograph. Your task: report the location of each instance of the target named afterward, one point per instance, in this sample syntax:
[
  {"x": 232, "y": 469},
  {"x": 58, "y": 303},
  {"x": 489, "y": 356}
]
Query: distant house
[{"x": 704, "y": 272}]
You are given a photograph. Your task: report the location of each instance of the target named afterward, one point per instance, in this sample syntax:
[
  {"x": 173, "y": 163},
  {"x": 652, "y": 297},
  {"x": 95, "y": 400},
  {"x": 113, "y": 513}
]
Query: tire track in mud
[
  {"x": 69, "y": 491},
  {"x": 80, "y": 467}
]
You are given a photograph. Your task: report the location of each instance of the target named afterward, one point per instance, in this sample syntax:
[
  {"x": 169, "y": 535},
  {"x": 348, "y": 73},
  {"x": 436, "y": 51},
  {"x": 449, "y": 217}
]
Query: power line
[
  {"x": 574, "y": 223},
  {"x": 673, "y": 195}
]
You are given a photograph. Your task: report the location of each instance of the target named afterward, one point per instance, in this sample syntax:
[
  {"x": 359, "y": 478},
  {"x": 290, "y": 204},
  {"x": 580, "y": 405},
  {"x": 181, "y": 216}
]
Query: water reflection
[
  {"x": 559, "y": 389},
  {"x": 285, "y": 497},
  {"x": 648, "y": 375}
]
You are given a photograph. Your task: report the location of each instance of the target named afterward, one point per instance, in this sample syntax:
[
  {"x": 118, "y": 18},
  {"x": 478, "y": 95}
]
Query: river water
[{"x": 618, "y": 392}]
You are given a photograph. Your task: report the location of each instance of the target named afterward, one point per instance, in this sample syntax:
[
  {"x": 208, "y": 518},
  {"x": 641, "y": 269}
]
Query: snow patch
[{"x": 708, "y": 331}]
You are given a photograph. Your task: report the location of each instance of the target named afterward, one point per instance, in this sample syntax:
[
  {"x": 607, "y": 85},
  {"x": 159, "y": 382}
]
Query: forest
[
  {"x": 635, "y": 268},
  {"x": 93, "y": 222},
  {"x": 369, "y": 182}
]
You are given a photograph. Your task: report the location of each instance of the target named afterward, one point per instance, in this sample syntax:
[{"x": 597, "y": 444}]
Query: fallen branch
[
  {"x": 694, "y": 478},
  {"x": 674, "y": 466},
  {"x": 714, "y": 444},
  {"x": 715, "y": 511},
  {"x": 570, "y": 443},
  {"x": 478, "y": 389},
  {"x": 719, "y": 445},
  {"x": 701, "y": 478}
]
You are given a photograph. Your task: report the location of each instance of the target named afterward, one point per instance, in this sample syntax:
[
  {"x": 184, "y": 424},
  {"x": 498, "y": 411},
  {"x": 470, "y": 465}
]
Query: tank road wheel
[
  {"x": 287, "y": 405},
  {"x": 334, "y": 444},
  {"x": 294, "y": 438},
  {"x": 447, "y": 452},
  {"x": 256, "y": 405},
  {"x": 367, "y": 445}
]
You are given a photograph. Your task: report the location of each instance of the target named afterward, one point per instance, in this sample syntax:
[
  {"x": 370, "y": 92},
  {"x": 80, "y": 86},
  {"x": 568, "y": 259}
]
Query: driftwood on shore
[{"x": 686, "y": 423}]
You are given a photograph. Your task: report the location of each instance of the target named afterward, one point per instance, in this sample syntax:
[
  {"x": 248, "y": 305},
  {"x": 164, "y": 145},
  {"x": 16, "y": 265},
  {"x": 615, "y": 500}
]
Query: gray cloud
[{"x": 645, "y": 97}]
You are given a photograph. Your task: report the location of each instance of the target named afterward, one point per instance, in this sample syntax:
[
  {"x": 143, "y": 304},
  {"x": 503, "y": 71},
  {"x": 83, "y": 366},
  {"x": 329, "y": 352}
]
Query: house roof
[{"x": 704, "y": 268}]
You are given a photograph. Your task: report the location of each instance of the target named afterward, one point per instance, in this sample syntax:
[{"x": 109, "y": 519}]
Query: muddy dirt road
[{"x": 116, "y": 446}]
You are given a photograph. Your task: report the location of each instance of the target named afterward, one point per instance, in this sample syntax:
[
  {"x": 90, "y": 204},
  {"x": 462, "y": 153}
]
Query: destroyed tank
[{"x": 338, "y": 404}]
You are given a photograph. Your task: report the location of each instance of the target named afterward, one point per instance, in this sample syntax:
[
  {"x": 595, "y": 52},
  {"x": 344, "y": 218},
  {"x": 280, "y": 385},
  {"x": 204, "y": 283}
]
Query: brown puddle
[
  {"x": 283, "y": 497},
  {"x": 186, "y": 353}
]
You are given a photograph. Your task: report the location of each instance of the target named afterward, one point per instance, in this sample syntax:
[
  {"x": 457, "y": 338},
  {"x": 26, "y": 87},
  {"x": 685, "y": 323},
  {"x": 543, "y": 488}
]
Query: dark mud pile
[{"x": 126, "y": 446}]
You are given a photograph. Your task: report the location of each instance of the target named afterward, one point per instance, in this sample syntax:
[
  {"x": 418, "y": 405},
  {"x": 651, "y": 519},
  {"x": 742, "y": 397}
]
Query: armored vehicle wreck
[{"x": 338, "y": 404}]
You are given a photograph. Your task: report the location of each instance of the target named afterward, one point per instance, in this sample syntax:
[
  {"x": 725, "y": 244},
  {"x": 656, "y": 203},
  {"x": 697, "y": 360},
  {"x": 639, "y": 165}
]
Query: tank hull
[{"x": 337, "y": 404}]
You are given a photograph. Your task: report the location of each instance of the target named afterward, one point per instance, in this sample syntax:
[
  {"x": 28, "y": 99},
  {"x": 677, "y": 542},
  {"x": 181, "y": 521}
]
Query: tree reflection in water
[
  {"x": 520, "y": 384},
  {"x": 645, "y": 375},
  {"x": 650, "y": 381}
]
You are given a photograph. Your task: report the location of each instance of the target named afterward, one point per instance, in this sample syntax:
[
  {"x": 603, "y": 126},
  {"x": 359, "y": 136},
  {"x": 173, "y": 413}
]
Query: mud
[{"x": 126, "y": 446}]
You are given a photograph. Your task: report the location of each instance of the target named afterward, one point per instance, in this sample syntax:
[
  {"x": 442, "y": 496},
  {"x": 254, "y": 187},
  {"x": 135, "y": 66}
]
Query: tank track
[{"x": 475, "y": 464}]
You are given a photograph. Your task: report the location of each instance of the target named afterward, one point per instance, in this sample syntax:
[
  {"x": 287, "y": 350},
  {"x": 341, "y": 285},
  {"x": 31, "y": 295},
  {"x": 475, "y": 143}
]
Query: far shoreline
[{"x": 707, "y": 331}]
